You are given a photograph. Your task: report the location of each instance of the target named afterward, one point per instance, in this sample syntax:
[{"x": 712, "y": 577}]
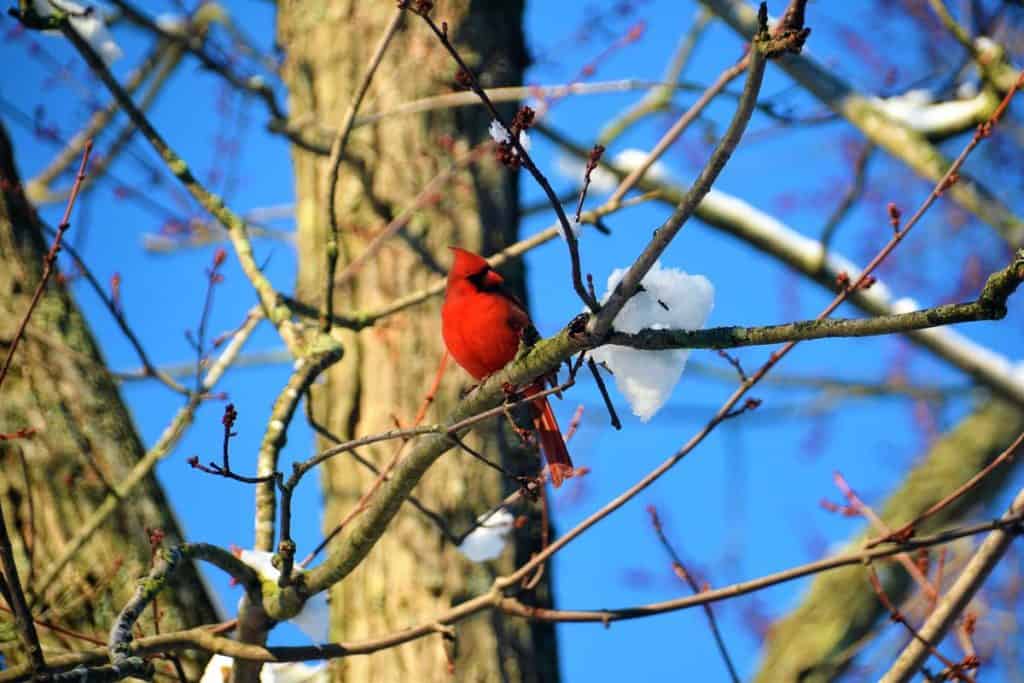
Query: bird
[{"x": 482, "y": 323}]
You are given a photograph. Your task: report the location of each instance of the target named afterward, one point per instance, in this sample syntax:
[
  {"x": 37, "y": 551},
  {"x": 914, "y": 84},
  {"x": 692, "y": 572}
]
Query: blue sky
[{"x": 747, "y": 501}]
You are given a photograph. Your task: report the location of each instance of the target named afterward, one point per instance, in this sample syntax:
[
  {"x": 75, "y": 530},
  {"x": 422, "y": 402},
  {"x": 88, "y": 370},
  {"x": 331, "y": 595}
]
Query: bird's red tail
[{"x": 551, "y": 442}]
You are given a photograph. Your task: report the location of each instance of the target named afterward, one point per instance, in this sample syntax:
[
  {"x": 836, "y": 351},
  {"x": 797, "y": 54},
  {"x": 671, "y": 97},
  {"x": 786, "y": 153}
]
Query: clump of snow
[
  {"x": 671, "y": 299},
  {"x": 498, "y": 132},
  {"x": 987, "y": 46},
  {"x": 575, "y": 226},
  {"x": 918, "y": 110},
  {"x": 87, "y": 22},
  {"x": 172, "y": 23},
  {"x": 603, "y": 181},
  {"x": 905, "y": 305},
  {"x": 313, "y": 619},
  {"x": 488, "y": 540},
  {"x": 501, "y": 135},
  {"x": 218, "y": 670},
  {"x": 967, "y": 90},
  {"x": 1018, "y": 372}
]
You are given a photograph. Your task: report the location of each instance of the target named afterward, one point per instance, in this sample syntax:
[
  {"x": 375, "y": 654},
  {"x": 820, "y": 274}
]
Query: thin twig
[
  {"x": 148, "y": 368},
  {"x": 727, "y": 408},
  {"x": 959, "y": 595},
  {"x": 850, "y": 197},
  {"x": 205, "y": 639},
  {"x": 334, "y": 165},
  {"x": 899, "y": 618},
  {"x": 680, "y": 571},
  {"x": 213, "y": 278},
  {"x": 863, "y": 509},
  {"x": 592, "y": 163},
  {"x": 49, "y": 260},
  {"x": 605, "y": 396},
  {"x": 908, "y": 528},
  {"x": 15, "y": 596},
  {"x": 630, "y": 282},
  {"x": 527, "y": 162}
]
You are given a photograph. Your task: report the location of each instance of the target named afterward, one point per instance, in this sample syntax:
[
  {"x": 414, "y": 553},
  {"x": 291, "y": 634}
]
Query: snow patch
[
  {"x": 917, "y": 110},
  {"x": 672, "y": 299},
  {"x": 314, "y": 618},
  {"x": 501, "y": 135},
  {"x": 218, "y": 670},
  {"x": 488, "y": 540},
  {"x": 87, "y": 21}
]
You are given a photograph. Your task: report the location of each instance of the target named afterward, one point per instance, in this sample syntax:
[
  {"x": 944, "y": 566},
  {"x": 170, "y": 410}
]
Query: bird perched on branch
[{"x": 482, "y": 323}]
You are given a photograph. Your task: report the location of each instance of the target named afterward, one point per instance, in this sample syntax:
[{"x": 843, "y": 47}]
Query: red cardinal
[{"x": 482, "y": 323}]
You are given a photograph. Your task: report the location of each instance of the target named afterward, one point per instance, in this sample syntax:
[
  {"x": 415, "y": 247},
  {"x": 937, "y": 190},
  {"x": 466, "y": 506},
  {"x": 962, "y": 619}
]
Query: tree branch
[
  {"x": 48, "y": 262},
  {"x": 308, "y": 368},
  {"x": 956, "y": 599},
  {"x": 990, "y": 305},
  {"x": 838, "y": 611},
  {"x": 15, "y": 597},
  {"x": 907, "y": 145},
  {"x": 334, "y": 165},
  {"x": 275, "y": 310},
  {"x": 204, "y": 638},
  {"x": 172, "y": 433},
  {"x": 767, "y": 234},
  {"x": 627, "y": 287}
]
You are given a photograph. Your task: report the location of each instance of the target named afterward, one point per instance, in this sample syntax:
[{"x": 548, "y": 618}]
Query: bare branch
[
  {"x": 908, "y": 528},
  {"x": 276, "y": 312},
  {"x": 48, "y": 262},
  {"x": 334, "y": 165},
  {"x": 684, "y": 575},
  {"x": 206, "y": 639},
  {"x": 14, "y": 596},
  {"x": 958, "y": 596},
  {"x": 170, "y": 437},
  {"x": 990, "y": 305},
  {"x": 627, "y": 287},
  {"x": 911, "y": 147}
]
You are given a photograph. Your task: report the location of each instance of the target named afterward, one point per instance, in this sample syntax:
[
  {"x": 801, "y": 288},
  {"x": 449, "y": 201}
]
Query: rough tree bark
[
  {"x": 387, "y": 369},
  {"x": 839, "y": 614},
  {"x": 84, "y": 442}
]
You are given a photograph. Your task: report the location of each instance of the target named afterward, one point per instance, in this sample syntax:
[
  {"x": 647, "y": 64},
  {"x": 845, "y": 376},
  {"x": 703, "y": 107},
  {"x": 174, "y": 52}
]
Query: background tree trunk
[
  {"x": 84, "y": 442},
  {"x": 412, "y": 573}
]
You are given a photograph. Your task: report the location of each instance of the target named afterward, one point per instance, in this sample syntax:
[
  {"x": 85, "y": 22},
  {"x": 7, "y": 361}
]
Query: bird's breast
[{"x": 481, "y": 332}]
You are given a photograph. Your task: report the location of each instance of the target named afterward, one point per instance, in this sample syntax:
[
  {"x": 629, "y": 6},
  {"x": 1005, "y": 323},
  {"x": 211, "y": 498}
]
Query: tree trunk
[
  {"x": 412, "y": 573},
  {"x": 84, "y": 442}
]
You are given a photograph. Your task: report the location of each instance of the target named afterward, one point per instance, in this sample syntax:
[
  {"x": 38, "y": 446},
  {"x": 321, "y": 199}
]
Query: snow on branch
[
  {"x": 87, "y": 21},
  {"x": 669, "y": 298}
]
